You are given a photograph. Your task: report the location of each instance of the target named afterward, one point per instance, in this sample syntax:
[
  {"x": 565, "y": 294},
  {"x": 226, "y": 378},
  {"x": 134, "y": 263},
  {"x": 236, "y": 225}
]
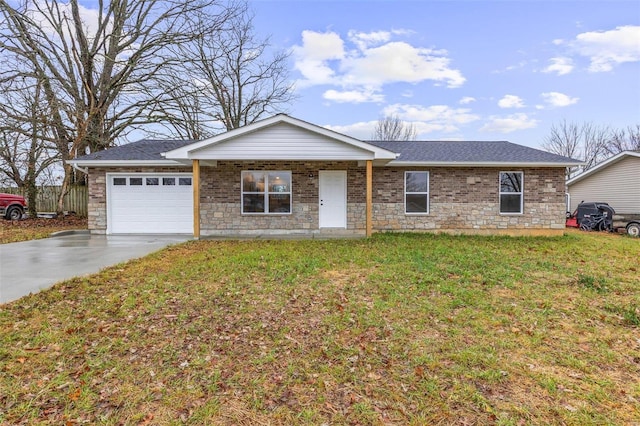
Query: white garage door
[{"x": 150, "y": 204}]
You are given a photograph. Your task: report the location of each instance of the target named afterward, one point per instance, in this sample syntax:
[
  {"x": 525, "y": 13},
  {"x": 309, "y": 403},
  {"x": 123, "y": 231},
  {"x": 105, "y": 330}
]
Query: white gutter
[
  {"x": 126, "y": 163},
  {"x": 395, "y": 163}
]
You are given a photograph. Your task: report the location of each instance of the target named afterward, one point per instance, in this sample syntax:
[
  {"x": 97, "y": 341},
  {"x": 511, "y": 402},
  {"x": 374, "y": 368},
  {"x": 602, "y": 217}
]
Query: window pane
[
  {"x": 253, "y": 203},
  {"x": 168, "y": 181},
  {"x": 153, "y": 181},
  {"x": 510, "y": 203},
  {"x": 279, "y": 182},
  {"x": 416, "y": 203},
  {"x": 417, "y": 182},
  {"x": 252, "y": 181},
  {"x": 184, "y": 181},
  {"x": 510, "y": 182},
  {"x": 279, "y": 203},
  {"x": 119, "y": 181},
  {"x": 135, "y": 181}
]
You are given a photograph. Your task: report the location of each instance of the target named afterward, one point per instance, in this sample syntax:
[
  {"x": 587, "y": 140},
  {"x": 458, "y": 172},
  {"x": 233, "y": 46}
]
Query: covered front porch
[
  {"x": 324, "y": 179},
  {"x": 253, "y": 198}
]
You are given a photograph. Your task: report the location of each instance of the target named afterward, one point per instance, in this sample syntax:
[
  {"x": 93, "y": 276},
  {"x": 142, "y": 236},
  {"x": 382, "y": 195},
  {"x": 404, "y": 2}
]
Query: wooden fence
[{"x": 47, "y": 200}]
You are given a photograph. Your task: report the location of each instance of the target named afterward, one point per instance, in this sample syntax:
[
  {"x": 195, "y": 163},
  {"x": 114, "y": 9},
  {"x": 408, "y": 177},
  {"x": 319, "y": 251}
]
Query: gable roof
[
  {"x": 323, "y": 144},
  {"x": 603, "y": 165},
  {"x": 293, "y": 139},
  {"x": 475, "y": 153}
]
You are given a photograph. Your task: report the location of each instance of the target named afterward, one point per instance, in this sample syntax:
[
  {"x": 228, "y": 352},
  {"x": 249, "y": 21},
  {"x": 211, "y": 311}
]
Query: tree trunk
[{"x": 65, "y": 188}]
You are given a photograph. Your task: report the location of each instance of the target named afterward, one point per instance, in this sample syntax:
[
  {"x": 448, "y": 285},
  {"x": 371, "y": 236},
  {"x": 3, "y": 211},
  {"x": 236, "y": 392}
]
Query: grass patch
[
  {"x": 13, "y": 231},
  {"x": 396, "y": 329}
]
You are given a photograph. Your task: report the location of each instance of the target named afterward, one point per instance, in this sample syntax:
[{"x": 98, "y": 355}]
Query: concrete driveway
[{"x": 31, "y": 266}]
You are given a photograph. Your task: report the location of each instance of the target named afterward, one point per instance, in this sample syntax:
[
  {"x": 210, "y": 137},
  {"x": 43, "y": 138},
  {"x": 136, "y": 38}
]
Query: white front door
[{"x": 333, "y": 199}]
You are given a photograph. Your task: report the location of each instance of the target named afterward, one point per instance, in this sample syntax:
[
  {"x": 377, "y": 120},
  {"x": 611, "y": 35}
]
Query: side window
[
  {"x": 511, "y": 192},
  {"x": 416, "y": 192}
]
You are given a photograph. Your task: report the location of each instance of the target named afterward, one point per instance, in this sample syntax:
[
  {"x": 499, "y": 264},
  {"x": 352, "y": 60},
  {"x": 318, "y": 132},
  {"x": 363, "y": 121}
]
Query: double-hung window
[
  {"x": 416, "y": 192},
  {"x": 266, "y": 192},
  {"x": 511, "y": 192}
]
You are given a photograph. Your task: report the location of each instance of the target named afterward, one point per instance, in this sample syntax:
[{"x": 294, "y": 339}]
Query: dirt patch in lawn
[{"x": 12, "y": 231}]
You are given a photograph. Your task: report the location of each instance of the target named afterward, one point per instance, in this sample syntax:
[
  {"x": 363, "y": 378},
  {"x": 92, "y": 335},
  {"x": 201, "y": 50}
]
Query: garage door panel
[{"x": 150, "y": 208}]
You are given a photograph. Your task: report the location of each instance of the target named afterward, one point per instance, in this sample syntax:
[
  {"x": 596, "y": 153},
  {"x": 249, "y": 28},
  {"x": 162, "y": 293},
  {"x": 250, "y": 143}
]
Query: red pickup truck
[{"x": 12, "y": 207}]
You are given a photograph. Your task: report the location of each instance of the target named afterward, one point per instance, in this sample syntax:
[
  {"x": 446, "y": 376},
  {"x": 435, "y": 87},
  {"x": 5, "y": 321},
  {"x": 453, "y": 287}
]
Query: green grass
[{"x": 396, "y": 329}]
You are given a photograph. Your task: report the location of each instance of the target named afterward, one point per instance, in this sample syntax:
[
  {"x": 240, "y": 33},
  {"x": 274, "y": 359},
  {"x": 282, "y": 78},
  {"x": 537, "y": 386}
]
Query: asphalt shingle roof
[
  {"x": 146, "y": 149},
  {"x": 411, "y": 151},
  {"x": 469, "y": 152}
]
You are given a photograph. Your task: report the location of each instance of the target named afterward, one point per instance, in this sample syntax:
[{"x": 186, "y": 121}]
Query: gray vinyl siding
[
  {"x": 617, "y": 184},
  {"x": 283, "y": 142}
]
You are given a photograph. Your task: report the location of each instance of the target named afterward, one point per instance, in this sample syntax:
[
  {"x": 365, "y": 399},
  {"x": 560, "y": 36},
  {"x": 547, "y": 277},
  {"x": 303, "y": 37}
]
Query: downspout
[{"x": 75, "y": 166}]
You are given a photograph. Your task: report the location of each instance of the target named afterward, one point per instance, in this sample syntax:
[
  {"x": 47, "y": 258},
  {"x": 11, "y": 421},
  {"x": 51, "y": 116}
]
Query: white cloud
[
  {"x": 432, "y": 118},
  {"x": 361, "y": 130},
  {"x": 313, "y": 56},
  {"x": 511, "y": 101},
  {"x": 466, "y": 100},
  {"x": 373, "y": 61},
  {"x": 400, "y": 62},
  {"x": 435, "y": 118},
  {"x": 557, "y": 99},
  {"x": 353, "y": 96},
  {"x": 509, "y": 124},
  {"x": 560, "y": 65},
  {"x": 606, "y": 49},
  {"x": 364, "y": 40}
]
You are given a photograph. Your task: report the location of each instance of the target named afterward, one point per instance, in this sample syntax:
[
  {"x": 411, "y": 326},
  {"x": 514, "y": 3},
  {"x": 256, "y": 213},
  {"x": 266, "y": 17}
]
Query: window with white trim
[
  {"x": 511, "y": 192},
  {"x": 416, "y": 192},
  {"x": 266, "y": 192}
]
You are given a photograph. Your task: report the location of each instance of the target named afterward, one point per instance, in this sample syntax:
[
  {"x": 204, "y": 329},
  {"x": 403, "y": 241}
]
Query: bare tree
[
  {"x": 98, "y": 75},
  {"x": 392, "y": 128},
  {"x": 25, "y": 148},
  {"x": 586, "y": 142},
  {"x": 624, "y": 140},
  {"x": 231, "y": 79}
]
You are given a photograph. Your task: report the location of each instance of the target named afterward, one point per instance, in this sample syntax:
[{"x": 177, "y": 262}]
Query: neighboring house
[
  {"x": 283, "y": 175},
  {"x": 615, "y": 181}
]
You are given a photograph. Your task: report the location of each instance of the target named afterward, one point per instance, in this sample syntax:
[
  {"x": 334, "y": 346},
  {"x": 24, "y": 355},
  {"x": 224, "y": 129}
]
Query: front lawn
[
  {"x": 12, "y": 231},
  {"x": 396, "y": 329}
]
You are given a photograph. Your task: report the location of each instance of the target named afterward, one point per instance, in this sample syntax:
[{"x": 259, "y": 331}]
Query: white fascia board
[
  {"x": 603, "y": 165},
  {"x": 127, "y": 163},
  {"x": 185, "y": 152},
  {"x": 476, "y": 164}
]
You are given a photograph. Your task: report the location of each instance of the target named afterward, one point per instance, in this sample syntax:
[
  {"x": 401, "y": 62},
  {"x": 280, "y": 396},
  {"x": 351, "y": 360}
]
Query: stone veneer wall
[
  {"x": 467, "y": 199},
  {"x": 97, "y": 204},
  {"x": 464, "y": 199},
  {"x": 220, "y": 197}
]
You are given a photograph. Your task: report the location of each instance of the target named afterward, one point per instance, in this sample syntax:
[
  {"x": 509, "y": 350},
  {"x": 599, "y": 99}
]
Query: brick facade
[{"x": 461, "y": 198}]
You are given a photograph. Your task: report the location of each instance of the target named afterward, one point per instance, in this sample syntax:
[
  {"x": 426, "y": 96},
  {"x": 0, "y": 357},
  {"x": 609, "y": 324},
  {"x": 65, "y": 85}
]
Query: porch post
[
  {"x": 196, "y": 199},
  {"x": 369, "y": 196}
]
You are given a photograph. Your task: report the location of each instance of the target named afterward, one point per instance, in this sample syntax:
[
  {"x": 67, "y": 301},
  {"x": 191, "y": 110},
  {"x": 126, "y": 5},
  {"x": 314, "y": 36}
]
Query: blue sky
[{"x": 471, "y": 70}]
